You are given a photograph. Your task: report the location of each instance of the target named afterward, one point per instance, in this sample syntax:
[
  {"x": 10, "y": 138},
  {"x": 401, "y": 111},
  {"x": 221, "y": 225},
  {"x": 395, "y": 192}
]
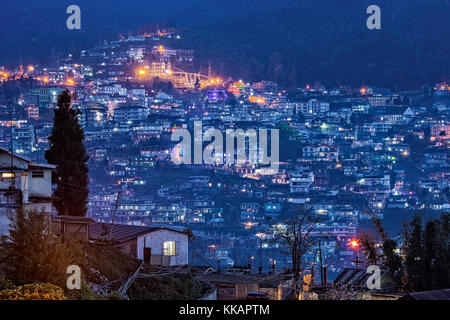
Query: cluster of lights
[
  {"x": 215, "y": 81},
  {"x": 258, "y": 100}
]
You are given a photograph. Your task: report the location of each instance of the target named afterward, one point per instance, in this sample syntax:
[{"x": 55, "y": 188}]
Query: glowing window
[
  {"x": 7, "y": 175},
  {"x": 170, "y": 248}
]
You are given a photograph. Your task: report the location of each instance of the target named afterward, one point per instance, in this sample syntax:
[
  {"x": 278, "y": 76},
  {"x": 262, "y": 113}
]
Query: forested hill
[
  {"x": 292, "y": 42},
  {"x": 34, "y": 30},
  {"x": 328, "y": 41}
]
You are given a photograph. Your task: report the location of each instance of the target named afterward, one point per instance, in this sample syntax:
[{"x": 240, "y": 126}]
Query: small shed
[
  {"x": 157, "y": 245},
  {"x": 72, "y": 226}
]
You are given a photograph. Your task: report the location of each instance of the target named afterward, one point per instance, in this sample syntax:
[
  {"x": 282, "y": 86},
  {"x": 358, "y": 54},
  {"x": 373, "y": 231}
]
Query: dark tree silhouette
[
  {"x": 295, "y": 236},
  {"x": 67, "y": 152}
]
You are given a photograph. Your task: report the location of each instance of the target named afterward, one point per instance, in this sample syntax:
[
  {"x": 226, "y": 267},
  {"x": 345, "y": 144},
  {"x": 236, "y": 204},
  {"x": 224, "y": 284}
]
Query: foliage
[
  {"x": 340, "y": 292},
  {"x": 106, "y": 263},
  {"x": 386, "y": 257},
  {"x": 67, "y": 152},
  {"x": 6, "y": 284},
  {"x": 425, "y": 259},
  {"x": 368, "y": 245},
  {"x": 427, "y": 253},
  {"x": 34, "y": 291},
  {"x": 173, "y": 287},
  {"x": 33, "y": 253}
]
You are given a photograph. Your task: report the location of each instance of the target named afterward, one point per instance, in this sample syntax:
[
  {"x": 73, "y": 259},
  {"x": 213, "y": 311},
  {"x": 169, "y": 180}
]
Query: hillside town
[{"x": 346, "y": 156}]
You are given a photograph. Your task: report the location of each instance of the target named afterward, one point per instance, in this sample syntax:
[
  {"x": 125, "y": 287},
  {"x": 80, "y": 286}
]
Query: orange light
[
  {"x": 160, "y": 48},
  {"x": 45, "y": 79},
  {"x": 7, "y": 175},
  {"x": 31, "y": 68},
  {"x": 249, "y": 225},
  {"x": 70, "y": 82},
  {"x": 354, "y": 243},
  {"x": 141, "y": 72},
  {"x": 258, "y": 100}
]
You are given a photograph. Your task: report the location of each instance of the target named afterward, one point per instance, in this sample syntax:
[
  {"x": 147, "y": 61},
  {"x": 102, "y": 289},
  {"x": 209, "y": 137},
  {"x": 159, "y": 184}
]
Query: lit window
[
  {"x": 169, "y": 248},
  {"x": 7, "y": 175}
]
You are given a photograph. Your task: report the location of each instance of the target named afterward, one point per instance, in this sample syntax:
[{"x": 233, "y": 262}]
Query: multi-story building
[
  {"x": 313, "y": 106},
  {"x": 301, "y": 182},
  {"x": 322, "y": 152},
  {"x": 23, "y": 182}
]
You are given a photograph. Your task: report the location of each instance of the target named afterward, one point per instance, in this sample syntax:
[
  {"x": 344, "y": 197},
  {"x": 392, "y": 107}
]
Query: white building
[
  {"x": 313, "y": 106},
  {"x": 23, "y": 182},
  {"x": 301, "y": 182},
  {"x": 157, "y": 245}
]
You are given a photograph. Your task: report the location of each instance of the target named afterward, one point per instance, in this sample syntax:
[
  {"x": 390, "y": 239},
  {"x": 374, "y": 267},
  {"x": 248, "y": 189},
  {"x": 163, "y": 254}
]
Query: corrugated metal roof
[
  {"x": 443, "y": 294},
  {"x": 357, "y": 278},
  {"x": 120, "y": 232}
]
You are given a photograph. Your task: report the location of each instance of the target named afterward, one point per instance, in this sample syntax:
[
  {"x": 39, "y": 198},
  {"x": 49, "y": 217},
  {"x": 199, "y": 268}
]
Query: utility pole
[
  {"x": 357, "y": 258},
  {"x": 13, "y": 178},
  {"x": 235, "y": 253},
  {"x": 260, "y": 257},
  {"x": 313, "y": 272},
  {"x": 355, "y": 245},
  {"x": 114, "y": 214},
  {"x": 321, "y": 264}
]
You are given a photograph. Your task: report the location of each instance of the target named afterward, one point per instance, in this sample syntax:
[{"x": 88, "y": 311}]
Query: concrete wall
[
  {"x": 41, "y": 186},
  {"x": 155, "y": 240}
]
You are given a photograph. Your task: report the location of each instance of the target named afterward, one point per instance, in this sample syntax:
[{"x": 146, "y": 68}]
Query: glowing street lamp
[{"x": 354, "y": 243}]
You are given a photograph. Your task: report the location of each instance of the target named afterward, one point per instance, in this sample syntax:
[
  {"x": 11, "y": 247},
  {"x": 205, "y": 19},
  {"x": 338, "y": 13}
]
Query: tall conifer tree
[{"x": 67, "y": 152}]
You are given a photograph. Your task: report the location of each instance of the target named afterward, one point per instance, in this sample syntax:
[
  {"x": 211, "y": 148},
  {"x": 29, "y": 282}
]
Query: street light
[{"x": 354, "y": 243}]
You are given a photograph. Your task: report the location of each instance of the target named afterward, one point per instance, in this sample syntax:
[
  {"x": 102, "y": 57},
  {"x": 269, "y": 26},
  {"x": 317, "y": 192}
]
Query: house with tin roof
[{"x": 158, "y": 245}]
